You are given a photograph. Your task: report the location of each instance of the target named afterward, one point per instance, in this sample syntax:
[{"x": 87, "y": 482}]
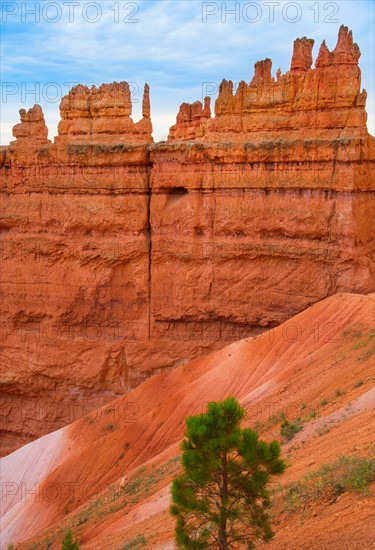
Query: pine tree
[
  {"x": 221, "y": 498},
  {"x": 68, "y": 543}
]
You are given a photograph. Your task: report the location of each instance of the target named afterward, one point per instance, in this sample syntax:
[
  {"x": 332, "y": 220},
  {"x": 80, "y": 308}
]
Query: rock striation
[{"x": 122, "y": 258}]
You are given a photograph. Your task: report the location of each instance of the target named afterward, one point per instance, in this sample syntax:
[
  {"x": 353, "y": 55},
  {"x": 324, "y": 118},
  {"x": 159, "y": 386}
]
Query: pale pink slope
[{"x": 21, "y": 474}]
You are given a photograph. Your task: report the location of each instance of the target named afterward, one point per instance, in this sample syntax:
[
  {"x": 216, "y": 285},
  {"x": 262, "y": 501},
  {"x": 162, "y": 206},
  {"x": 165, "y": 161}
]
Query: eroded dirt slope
[{"x": 318, "y": 366}]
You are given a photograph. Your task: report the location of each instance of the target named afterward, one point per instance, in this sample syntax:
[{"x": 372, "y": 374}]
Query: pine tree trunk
[{"x": 223, "y": 513}]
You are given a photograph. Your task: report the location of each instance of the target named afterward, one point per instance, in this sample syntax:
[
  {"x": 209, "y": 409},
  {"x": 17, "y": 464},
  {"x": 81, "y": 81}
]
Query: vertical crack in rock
[{"x": 149, "y": 241}]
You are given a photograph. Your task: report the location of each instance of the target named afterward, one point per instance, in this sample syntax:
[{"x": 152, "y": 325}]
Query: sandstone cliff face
[
  {"x": 121, "y": 258},
  {"x": 267, "y": 207}
]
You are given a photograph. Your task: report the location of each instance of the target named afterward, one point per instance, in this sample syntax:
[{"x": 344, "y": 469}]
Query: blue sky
[{"x": 183, "y": 49}]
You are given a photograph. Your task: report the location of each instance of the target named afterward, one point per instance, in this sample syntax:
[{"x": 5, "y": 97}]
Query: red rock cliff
[
  {"x": 268, "y": 206},
  {"x": 121, "y": 258},
  {"x": 75, "y": 260}
]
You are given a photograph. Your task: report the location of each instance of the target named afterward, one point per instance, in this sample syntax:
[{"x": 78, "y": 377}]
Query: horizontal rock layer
[{"x": 122, "y": 258}]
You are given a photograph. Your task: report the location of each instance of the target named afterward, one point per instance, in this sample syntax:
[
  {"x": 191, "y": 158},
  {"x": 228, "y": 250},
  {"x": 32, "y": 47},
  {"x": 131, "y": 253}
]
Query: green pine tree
[
  {"x": 68, "y": 543},
  {"x": 221, "y": 499}
]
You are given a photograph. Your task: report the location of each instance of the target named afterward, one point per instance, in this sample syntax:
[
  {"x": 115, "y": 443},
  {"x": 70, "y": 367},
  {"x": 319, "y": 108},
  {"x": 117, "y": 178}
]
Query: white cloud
[{"x": 6, "y": 132}]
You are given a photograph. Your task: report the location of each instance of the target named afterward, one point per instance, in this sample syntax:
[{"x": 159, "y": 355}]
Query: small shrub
[
  {"x": 345, "y": 474},
  {"x": 324, "y": 402},
  {"x": 273, "y": 419},
  {"x": 312, "y": 414},
  {"x": 135, "y": 544},
  {"x": 339, "y": 392},
  {"x": 10, "y": 547},
  {"x": 133, "y": 486},
  {"x": 276, "y": 418},
  {"x": 289, "y": 429},
  {"x": 358, "y": 383},
  {"x": 68, "y": 543},
  {"x": 355, "y": 473}
]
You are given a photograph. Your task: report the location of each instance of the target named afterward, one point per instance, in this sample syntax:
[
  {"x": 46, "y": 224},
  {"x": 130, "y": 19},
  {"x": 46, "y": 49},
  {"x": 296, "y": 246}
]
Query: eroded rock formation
[
  {"x": 304, "y": 102},
  {"x": 122, "y": 258},
  {"x": 100, "y": 113},
  {"x": 32, "y": 127}
]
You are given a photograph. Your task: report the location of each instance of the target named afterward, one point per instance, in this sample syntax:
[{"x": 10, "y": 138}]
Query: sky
[{"x": 182, "y": 49}]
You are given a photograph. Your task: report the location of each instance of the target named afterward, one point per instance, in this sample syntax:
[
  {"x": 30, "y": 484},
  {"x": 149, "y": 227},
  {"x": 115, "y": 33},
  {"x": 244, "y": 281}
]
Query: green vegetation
[
  {"x": 275, "y": 419},
  {"x": 68, "y": 543},
  {"x": 139, "y": 542},
  {"x": 339, "y": 392},
  {"x": 345, "y": 474},
  {"x": 324, "y": 402},
  {"x": 354, "y": 332},
  {"x": 222, "y": 496},
  {"x": 289, "y": 429},
  {"x": 362, "y": 339}
]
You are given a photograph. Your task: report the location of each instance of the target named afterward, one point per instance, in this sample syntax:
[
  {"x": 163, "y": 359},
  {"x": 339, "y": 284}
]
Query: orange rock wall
[{"x": 122, "y": 258}]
